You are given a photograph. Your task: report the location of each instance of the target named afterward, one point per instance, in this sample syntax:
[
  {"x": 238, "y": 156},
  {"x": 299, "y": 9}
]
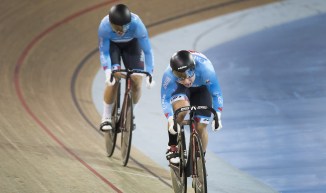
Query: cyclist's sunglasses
[
  {"x": 119, "y": 28},
  {"x": 189, "y": 73}
]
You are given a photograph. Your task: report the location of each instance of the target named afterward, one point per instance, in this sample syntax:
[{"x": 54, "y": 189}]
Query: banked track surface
[{"x": 46, "y": 144}]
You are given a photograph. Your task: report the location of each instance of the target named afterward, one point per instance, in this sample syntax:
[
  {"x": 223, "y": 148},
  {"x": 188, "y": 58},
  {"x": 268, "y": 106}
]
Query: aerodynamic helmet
[
  {"x": 119, "y": 15},
  {"x": 182, "y": 64}
]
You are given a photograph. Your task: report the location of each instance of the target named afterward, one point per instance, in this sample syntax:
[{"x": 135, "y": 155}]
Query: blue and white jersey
[
  {"x": 204, "y": 75},
  {"x": 136, "y": 30}
]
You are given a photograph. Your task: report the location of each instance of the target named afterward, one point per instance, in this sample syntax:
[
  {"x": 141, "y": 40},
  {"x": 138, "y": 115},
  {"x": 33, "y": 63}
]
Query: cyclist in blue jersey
[
  {"x": 122, "y": 35},
  {"x": 190, "y": 79}
]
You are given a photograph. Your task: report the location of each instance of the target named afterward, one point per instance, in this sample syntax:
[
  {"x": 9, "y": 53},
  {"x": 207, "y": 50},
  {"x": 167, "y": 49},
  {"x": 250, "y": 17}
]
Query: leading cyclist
[
  {"x": 122, "y": 34},
  {"x": 190, "y": 80}
]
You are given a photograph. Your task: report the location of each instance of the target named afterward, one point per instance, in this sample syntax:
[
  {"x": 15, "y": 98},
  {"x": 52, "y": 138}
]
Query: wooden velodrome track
[{"x": 47, "y": 138}]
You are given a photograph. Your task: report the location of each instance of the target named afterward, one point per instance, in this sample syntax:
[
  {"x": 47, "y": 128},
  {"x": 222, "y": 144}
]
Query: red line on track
[{"x": 18, "y": 66}]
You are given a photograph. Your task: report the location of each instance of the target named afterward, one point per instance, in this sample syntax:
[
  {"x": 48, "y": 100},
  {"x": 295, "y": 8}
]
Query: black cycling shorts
[
  {"x": 130, "y": 53},
  {"x": 198, "y": 96}
]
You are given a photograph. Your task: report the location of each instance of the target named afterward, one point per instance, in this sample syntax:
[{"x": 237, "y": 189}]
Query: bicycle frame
[
  {"x": 190, "y": 169},
  {"x": 126, "y": 114},
  {"x": 128, "y": 85}
]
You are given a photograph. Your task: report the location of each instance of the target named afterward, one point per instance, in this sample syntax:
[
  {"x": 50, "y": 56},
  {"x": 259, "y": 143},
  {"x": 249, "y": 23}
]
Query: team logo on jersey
[
  {"x": 163, "y": 102},
  {"x": 101, "y": 42},
  {"x": 166, "y": 82},
  {"x": 178, "y": 98},
  {"x": 142, "y": 57},
  {"x": 220, "y": 100},
  {"x": 116, "y": 67},
  {"x": 204, "y": 120}
]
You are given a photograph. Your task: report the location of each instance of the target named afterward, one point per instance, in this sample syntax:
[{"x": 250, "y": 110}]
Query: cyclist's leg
[
  {"x": 110, "y": 94},
  {"x": 202, "y": 131},
  {"x": 110, "y": 91},
  {"x": 201, "y": 96},
  {"x": 181, "y": 103},
  {"x": 136, "y": 87},
  {"x": 178, "y": 99},
  {"x": 132, "y": 59}
]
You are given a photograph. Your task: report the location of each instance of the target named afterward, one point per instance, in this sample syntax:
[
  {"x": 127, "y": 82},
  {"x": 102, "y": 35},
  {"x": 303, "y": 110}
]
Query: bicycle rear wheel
[
  {"x": 200, "y": 180},
  {"x": 178, "y": 173},
  {"x": 126, "y": 125}
]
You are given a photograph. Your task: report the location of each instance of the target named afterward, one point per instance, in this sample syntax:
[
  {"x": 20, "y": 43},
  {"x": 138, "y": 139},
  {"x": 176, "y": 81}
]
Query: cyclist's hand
[
  {"x": 149, "y": 84},
  {"x": 171, "y": 124},
  {"x": 219, "y": 126},
  {"x": 108, "y": 78}
]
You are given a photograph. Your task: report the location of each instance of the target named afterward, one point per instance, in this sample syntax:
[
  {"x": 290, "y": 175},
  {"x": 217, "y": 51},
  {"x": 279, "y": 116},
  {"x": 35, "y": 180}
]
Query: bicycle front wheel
[
  {"x": 199, "y": 180},
  {"x": 126, "y": 126},
  {"x": 178, "y": 174},
  {"x": 111, "y": 135}
]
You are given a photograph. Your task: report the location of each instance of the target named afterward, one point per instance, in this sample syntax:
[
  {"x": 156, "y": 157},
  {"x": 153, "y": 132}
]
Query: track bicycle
[
  {"x": 191, "y": 163},
  {"x": 122, "y": 118}
]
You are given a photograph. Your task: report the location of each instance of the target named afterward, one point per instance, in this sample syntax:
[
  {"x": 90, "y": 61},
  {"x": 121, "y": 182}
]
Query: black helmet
[
  {"x": 119, "y": 15},
  {"x": 182, "y": 64},
  {"x": 182, "y": 61}
]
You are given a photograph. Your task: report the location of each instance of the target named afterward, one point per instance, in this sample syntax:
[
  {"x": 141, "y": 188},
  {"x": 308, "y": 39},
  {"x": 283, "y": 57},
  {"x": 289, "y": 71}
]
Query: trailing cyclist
[
  {"x": 122, "y": 34},
  {"x": 190, "y": 79}
]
